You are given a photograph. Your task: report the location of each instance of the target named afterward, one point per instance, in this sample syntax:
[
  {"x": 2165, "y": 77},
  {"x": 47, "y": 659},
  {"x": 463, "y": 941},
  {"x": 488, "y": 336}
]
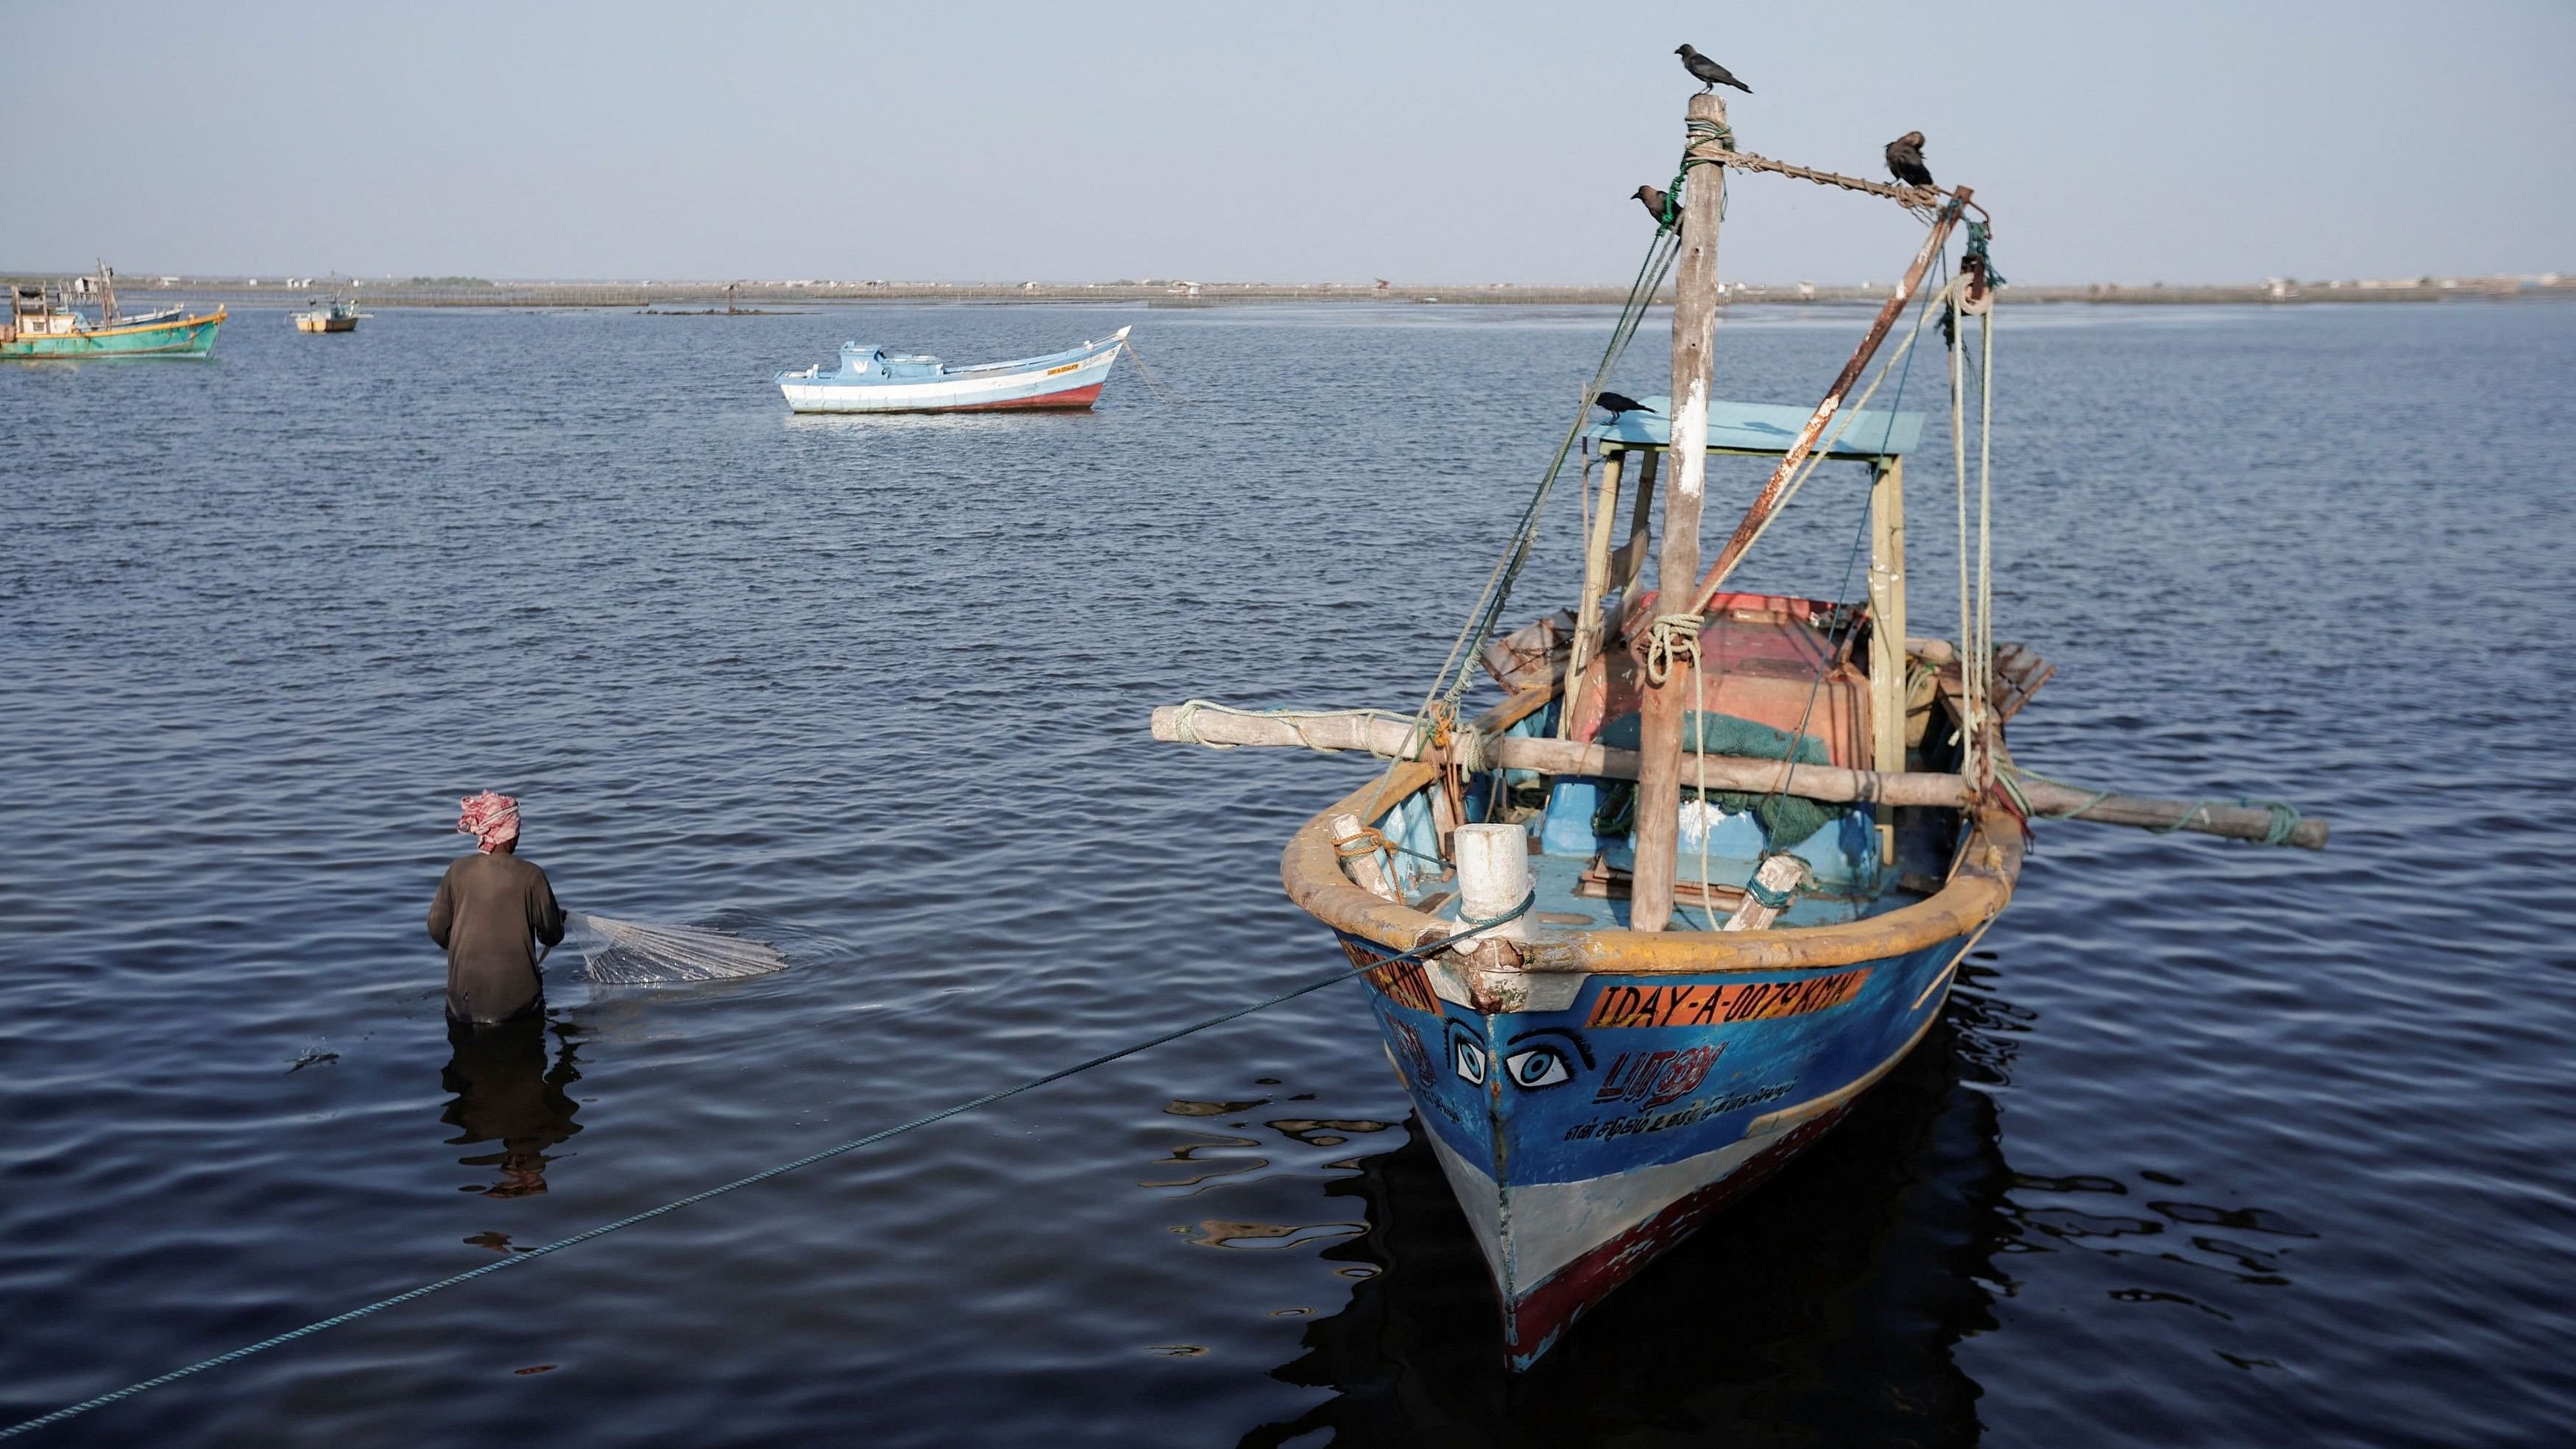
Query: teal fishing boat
[{"x": 43, "y": 324}]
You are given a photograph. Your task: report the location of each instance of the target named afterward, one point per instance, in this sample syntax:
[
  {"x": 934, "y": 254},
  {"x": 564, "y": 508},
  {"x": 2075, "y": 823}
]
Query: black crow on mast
[{"x": 1708, "y": 72}]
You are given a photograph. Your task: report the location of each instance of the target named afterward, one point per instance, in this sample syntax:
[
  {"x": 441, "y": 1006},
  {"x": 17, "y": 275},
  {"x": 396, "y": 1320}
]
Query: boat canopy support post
[
  {"x": 1641, "y": 535},
  {"x": 1596, "y": 582},
  {"x": 1659, "y": 782},
  {"x": 1888, "y": 690}
]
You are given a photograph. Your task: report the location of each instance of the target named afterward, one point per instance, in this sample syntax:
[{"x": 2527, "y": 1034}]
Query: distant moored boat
[
  {"x": 340, "y": 315},
  {"x": 42, "y": 323},
  {"x": 873, "y": 380}
]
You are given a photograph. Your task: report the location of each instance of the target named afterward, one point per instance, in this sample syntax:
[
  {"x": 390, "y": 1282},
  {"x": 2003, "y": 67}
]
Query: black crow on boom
[
  {"x": 1905, "y": 160},
  {"x": 1709, "y": 72}
]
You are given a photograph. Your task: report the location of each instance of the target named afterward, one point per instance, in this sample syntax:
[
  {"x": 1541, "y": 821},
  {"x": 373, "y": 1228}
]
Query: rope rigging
[
  {"x": 1912, "y": 198},
  {"x": 1851, "y": 560},
  {"x": 1457, "y": 670}
]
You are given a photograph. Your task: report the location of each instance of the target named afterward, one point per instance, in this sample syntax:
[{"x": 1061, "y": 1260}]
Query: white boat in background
[{"x": 873, "y": 380}]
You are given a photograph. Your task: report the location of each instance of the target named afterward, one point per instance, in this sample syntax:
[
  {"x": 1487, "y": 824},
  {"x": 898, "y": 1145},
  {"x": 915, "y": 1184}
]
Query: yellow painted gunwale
[
  {"x": 170, "y": 325},
  {"x": 1976, "y": 893}
]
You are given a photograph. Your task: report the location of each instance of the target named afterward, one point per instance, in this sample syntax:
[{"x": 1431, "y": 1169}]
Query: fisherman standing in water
[{"x": 492, "y": 910}]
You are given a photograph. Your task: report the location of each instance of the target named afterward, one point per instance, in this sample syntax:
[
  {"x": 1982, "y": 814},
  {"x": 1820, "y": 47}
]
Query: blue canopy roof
[{"x": 1737, "y": 427}]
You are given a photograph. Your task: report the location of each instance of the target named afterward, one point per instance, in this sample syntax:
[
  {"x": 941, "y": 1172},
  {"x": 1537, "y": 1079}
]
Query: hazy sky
[{"x": 1316, "y": 141}]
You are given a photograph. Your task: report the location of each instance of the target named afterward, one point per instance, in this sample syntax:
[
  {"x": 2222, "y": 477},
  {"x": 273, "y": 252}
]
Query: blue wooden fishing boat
[
  {"x": 873, "y": 380},
  {"x": 1708, "y": 871},
  {"x": 1593, "y": 1090}
]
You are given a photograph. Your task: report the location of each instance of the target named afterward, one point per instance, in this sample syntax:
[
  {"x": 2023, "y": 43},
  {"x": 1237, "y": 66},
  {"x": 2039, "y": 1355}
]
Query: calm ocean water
[{"x": 2217, "y": 1145}]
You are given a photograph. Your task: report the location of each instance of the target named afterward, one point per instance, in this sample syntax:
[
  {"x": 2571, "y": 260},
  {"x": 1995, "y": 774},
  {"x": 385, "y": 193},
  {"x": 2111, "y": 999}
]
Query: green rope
[
  {"x": 1766, "y": 897},
  {"x": 2284, "y": 821},
  {"x": 1473, "y": 928},
  {"x": 1697, "y": 132},
  {"x": 1978, "y": 237}
]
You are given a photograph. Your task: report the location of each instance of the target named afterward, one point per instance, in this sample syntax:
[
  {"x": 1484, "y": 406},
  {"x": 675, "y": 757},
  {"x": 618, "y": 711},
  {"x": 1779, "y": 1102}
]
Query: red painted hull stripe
[{"x": 1080, "y": 397}]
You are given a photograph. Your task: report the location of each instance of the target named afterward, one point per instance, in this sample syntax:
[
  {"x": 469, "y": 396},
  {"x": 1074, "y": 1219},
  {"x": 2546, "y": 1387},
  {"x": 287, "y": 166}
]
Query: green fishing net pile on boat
[{"x": 1785, "y": 819}]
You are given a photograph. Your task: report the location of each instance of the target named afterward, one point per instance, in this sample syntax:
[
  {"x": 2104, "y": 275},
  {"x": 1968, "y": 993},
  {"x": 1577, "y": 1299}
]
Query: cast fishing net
[{"x": 631, "y": 953}]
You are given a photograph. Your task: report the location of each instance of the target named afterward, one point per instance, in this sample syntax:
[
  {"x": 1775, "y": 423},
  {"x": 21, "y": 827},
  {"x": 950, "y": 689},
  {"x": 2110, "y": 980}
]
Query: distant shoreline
[{"x": 749, "y": 295}]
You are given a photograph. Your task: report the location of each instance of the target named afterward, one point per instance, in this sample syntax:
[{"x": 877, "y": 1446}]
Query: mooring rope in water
[
  {"x": 1471, "y": 928},
  {"x": 1162, "y": 392}
]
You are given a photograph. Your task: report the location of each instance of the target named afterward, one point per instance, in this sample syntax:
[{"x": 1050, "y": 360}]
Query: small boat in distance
[
  {"x": 43, "y": 324},
  {"x": 341, "y": 314},
  {"x": 873, "y": 380}
]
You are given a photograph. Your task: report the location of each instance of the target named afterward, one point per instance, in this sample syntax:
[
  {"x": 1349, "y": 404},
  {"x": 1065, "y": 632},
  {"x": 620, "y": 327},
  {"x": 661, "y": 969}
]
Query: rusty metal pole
[{"x": 1659, "y": 780}]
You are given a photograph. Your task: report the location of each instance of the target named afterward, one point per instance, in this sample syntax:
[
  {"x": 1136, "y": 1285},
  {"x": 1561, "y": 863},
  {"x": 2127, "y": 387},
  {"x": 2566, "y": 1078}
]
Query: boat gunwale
[
  {"x": 1069, "y": 357},
  {"x": 1976, "y": 892},
  {"x": 165, "y": 324}
]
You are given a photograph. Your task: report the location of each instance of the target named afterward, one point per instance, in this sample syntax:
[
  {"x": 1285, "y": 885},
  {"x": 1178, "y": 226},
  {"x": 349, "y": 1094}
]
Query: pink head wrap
[{"x": 493, "y": 820}]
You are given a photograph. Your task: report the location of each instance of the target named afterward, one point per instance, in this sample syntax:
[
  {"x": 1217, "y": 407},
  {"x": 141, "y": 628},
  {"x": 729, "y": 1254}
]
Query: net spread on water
[{"x": 631, "y": 953}]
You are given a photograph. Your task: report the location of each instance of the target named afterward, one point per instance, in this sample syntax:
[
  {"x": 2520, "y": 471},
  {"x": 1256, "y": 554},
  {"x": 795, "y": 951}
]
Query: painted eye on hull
[
  {"x": 1538, "y": 1067},
  {"x": 1470, "y": 1059}
]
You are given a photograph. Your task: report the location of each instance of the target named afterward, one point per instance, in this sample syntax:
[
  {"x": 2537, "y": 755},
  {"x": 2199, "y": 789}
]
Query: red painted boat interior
[{"x": 1762, "y": 654}]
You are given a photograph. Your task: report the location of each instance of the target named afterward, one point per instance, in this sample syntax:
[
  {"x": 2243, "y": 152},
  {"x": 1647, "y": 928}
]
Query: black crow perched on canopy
[
  {"x": 1905, "y": 160},
  {"x": 1615, "y": 403},
  {"x": 1653, "y": 199},
  {"x": 1708, "y": 71}
]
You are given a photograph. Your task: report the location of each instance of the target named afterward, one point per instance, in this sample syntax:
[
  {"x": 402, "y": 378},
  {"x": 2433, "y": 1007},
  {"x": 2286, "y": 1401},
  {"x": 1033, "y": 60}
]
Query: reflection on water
[
  {"x": 1831, "y": 1298},
  {"x": 507, "y": 1092}
]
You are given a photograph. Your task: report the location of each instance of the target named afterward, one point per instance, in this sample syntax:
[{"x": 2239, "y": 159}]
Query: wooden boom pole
[
  {"x": 1759, "y": 514},
  {"x": 1659, "y": 779}
]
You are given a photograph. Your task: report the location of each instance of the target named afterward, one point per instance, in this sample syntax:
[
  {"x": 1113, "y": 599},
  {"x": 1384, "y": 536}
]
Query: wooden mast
[{"x": 1659, "y": 782}]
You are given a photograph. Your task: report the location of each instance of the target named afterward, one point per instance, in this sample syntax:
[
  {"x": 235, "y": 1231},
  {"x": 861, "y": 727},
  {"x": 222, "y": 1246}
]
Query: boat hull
[
  {"x": 179, "y": 337},
  {"x": 1065, "y": 383},
  {"x": 307, "y": 323},
  {"x": 1584, "y": 1142}
]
